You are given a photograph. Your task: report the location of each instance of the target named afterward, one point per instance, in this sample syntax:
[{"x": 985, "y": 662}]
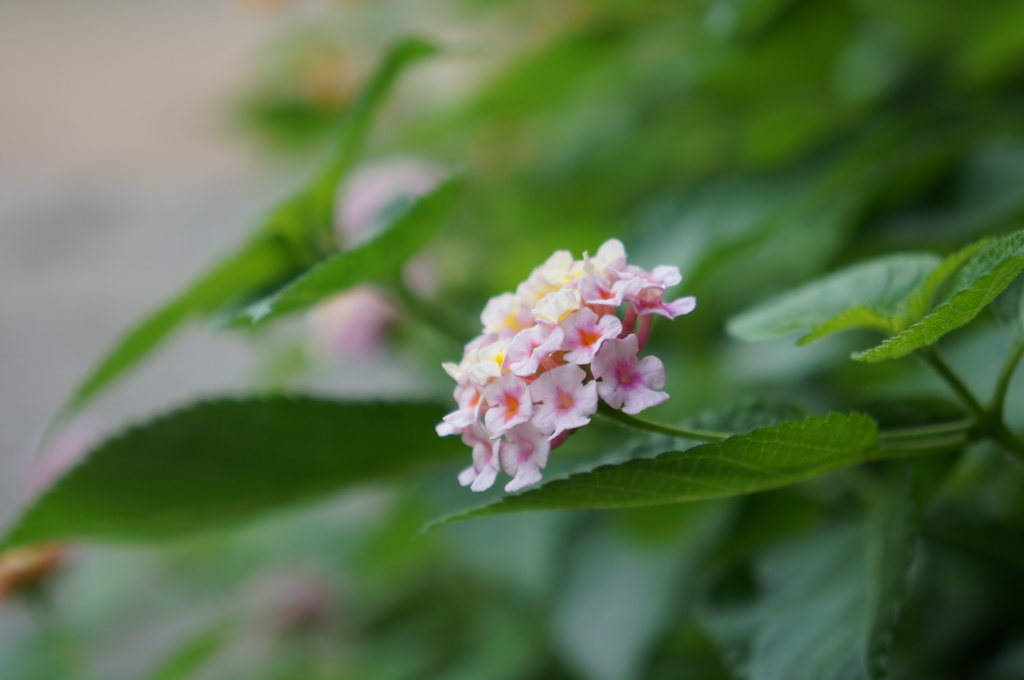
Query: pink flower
[
  {"x": 470, "y": 400},
  {"x": 610, "y": 257},
  {"x": 510, "y": 402},
  {"x": 368, "y": 193},
  {"x": 480, "y": 475},
  {"x": 530, "y": 346},
  {"x": 523, "y": 455},
  {"x": 663, "y": 276},
  {"x": 625, "y": 380},
  {"x": 584, "y": 333},
  {"x": 596, "y": 290},
  {"x": 505, "y": 314},
  {"x": 549, "y": 352},
  {"x": 565, "y": 401},
  {"x": 649, "y": 301},
  {"x": 353, "y": 324}
]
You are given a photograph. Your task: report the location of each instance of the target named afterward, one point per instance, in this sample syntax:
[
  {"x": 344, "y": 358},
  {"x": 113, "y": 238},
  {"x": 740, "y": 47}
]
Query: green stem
[
  {"x": 1002, "y": 435},
  {"x": 430, "y": 315},
  {"x": 1003, "y": 384},
  {"x": 661, "y": 428},
  {"x": 52, "y": 629},
  {"x": 932, "y": 357},
  {"x": 957, "y": 427}
]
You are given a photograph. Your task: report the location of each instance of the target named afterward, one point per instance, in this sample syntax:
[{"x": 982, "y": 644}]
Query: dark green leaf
[
  {"x": 620, "y": 594},
  {"x": 748, "y": 415},
  {"x": 822, "y": 606},
  {"x": 223, "y": 461},
  {"x": 987, "y": 274},
  {"x": 763, "y": 459},
  {"x": 410, "y": 229}
]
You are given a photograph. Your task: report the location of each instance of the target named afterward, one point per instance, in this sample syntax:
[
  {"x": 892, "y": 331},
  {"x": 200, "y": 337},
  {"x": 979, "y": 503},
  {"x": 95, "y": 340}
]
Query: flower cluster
[{"x": 549, "y": 351}]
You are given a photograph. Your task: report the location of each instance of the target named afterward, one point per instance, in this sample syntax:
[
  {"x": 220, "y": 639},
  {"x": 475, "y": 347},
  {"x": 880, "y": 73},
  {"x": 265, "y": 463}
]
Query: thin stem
[
  {"x": 926, "y": 431},
  {"x": 1003, "y": 384},
  {"x": 1010, "y": 441},
  {"x": 926, "y": 445},
  {"x": 945, "y": 371},
  {"x": 661, "y": 428},
  {"x": 436, "y": 318}
]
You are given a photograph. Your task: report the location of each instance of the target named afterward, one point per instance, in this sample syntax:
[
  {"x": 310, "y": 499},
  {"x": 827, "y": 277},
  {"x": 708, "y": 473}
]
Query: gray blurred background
[{"x": 120, "y": 179}]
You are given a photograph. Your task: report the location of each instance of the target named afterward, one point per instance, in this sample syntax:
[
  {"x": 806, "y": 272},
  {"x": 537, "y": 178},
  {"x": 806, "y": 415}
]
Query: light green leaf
[
  {"x": 987, "y": 274},
  {"x": 921, "y": 301},
  {"x": 310, "y": 214},
  {"x": 763, "y": 459},
  {"x": 381, "y": 257},
  {"x": 291, "y": 238},
  {"x": 218, "y": 462},
  {"x": 823, "y": 605},
  {"x": 870, "y": 295}
]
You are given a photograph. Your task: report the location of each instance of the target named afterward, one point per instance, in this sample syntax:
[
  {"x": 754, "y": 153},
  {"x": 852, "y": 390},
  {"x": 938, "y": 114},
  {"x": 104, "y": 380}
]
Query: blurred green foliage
[{"x": 754, "y": 143}]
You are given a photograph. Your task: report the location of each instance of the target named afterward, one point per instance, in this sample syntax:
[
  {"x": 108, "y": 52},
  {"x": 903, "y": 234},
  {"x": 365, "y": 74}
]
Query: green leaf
[
  {"x": 290, "y": 239},
  {"x": 223, "y": 461},
  {"x": 869, "y": 295},
  {"x": 987, "y": 274},
  {"x": 608, "y": 632},
  {"x": 261, "y": 262},
  {"x": 749, "y": 414},
  {"x": 823, "y": 605},
  {"x": 1009, "y": 309},
  {"x": 192, "y": 655},
  {"x": 381, "y": 257},
  {"x": 763, "y": 459},
  {"x": 311, "y": 212}
]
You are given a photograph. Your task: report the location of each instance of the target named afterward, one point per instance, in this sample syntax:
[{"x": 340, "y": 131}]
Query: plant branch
[
  {"x": 922, "y": 432},
  {"x": 1002, "y": 435},
  {"x": 661, "y": 428},
  {"x": 1003, "y": 383},
  {"x": 430, "y": 315},
  {"x": 934, "y": 360}
]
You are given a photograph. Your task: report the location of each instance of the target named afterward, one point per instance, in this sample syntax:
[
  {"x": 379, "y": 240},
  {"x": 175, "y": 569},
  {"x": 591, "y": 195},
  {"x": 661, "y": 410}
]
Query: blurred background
[{"x": 753, "y": 143}]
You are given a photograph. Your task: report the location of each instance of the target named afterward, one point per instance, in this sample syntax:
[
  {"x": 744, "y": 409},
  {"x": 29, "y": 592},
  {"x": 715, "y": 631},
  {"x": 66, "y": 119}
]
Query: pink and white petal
[
  {"x": 642, "y": 398},
  {"x": 523, "y": 455},
  {"x": 565, "y": 401},
  {"x": 681, "y": 306},
  {"x": 529, "y": 347},
  {"x": 528, "y": 475},
  {"x": 467, "y": 476},
  {"x": 485, "y": 479},
  {"x": 444, "y": 429},
  {"x": 652, "y": 372},
  {"x": 665, "y": 276},
  {"x": 511, "y": 404},
  {"x": 596, "y": 290},
  {"x": 523, "y": 443},
  {"x": 584, "y": 334},
  {"x": 484, "y": 469},
  {"x": 612, "y": 393},
  {"x": 612, "y": 352}
]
